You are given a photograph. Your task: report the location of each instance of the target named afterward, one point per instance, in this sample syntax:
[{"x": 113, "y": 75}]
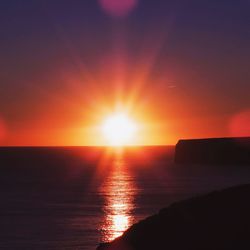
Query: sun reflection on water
[{"x": 119, "y": 191}]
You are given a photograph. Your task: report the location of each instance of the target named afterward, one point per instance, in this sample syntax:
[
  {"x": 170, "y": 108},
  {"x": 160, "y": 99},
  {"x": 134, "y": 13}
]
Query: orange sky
[{"x": 179, "y": 70}]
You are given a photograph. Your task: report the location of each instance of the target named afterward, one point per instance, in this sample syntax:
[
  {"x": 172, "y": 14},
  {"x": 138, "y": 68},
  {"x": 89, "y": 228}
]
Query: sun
[{"x": 119, "y": 130}]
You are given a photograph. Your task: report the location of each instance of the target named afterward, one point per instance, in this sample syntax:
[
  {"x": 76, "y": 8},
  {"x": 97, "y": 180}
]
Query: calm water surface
[{"x": 71, "y": 203}]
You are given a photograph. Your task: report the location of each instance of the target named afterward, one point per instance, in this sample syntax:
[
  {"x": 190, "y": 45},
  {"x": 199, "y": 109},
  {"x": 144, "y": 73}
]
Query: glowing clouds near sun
[{"x": 118, "y": 8}]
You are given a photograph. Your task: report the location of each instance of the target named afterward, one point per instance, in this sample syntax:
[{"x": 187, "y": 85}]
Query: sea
[{"x": 61, "y": 198}]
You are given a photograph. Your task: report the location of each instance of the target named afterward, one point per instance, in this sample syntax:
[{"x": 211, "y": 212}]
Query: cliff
[
  {"x": 229, "y": 151},
  {"x": 217, "y": 221}
]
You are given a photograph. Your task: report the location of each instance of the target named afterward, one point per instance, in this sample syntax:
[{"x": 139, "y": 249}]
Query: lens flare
[
  {"x": 118, "y": 8},
  {"x": 240, "y": 124}
]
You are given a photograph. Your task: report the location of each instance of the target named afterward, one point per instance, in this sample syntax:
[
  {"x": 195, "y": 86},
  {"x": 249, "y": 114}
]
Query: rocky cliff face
[
  {"x": 217, "y": 221},
  {"x": 218, "y": 151}
]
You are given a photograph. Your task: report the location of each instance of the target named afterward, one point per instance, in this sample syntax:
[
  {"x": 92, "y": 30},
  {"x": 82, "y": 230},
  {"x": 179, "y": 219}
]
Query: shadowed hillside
[{"x": 219, "y": 220}]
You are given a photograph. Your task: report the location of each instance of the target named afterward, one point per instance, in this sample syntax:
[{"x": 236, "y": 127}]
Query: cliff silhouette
[
  {"x": 216, "y": 221},
  {"x": 230, "y": 151}
]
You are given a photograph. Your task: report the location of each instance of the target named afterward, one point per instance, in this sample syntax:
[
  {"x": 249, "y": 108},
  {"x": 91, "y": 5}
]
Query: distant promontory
[{"x": 217, "y": 151}]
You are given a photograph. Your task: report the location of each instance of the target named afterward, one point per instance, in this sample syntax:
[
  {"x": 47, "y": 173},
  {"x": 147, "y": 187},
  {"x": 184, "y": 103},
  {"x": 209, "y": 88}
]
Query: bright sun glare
[{"x": 119, "y": 130}]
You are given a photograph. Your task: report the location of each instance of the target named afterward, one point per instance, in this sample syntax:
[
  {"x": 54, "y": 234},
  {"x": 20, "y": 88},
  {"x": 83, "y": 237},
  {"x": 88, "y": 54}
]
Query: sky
[{"x": 180, "y": 69}]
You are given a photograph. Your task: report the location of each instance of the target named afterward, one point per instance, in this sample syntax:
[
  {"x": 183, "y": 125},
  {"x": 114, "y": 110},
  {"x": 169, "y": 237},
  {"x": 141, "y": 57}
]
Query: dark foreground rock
[
  {"x": 217, "y": 221},
  {"x": 230, "y": 151}
]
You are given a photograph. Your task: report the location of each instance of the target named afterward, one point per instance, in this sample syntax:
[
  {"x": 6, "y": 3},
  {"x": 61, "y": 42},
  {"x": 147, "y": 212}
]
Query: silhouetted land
[
  {"x": 217, "y": 221},
  {"x": 218, "y": 151}
]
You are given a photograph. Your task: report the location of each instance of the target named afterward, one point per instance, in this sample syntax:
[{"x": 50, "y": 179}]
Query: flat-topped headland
[
  {"x": 218, "y": 220},
  {"x": 217, "y": 151}
]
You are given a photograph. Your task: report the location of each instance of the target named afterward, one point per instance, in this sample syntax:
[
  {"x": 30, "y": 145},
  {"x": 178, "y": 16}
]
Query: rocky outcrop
[
  {"x": 217, "y": 221},
  {"x": 217, "y": 151}
]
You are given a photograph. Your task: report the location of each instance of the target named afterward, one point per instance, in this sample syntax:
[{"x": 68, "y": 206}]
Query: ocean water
[{"x": 75, "y": 198}]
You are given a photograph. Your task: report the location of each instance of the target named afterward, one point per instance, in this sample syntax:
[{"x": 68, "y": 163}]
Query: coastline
[{"x": 218, "y": 220}]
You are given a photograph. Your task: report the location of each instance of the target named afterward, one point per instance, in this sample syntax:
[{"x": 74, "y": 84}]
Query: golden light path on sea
[{"x": 119, "y": 191}]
